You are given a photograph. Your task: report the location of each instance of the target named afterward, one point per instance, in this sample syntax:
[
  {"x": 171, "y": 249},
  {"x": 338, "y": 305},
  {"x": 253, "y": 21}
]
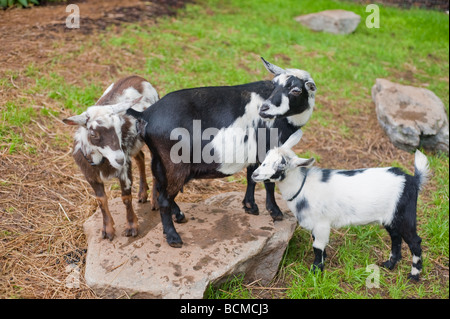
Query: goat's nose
[{"x": 264, "y": 107}]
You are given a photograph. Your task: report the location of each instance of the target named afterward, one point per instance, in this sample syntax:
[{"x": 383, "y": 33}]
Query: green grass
[
  {"x": 219, "y": 43},
  {"x": 72, "y": 97},
  {"x": 17, "y": 114},
  {"x": 13, "y": 126},
  {"x": 233, "y": 288}
]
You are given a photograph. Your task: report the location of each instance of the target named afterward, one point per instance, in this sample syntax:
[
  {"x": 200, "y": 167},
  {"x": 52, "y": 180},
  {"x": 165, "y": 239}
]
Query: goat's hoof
[
  {"x": 389, "y": 264},
  {"x": 317, "y": 267},
  {"x": 180, "y": 218},
  {"x": 175, "y": 243},
  {"x": 142, "y": 199},
  {"x": 251, "y": 208},
  {"x": 277, "y": 217},
  {"x": 154, "y": 206},
  {"x": 275, "y": 213},
  {"x": 109, "y": 235},
  {"x": 173, "y": 239},
  {"x": 131, "y": 232},
  {"x": 143, "y": 194},
  {"x": 414, "y": 278}
]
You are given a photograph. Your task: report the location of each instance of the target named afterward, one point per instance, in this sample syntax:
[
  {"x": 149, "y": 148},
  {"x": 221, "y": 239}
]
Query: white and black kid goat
[
  {"x": 324, "y": 198},
  {"x": 107, "y": 139},
  {"x": 217, "y": 124}
]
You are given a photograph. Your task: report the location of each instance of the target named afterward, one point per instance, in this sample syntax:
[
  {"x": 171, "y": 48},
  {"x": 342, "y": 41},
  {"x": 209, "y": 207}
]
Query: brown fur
[{"x": 94, "y": 173}]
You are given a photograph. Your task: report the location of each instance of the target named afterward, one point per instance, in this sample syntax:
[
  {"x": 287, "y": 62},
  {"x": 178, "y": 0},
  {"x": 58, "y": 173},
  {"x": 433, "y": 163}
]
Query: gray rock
[
  {"x": 411, "y": 116},
  {"x": 333, "y": 21},
  {"x": 220, "y": 241}
]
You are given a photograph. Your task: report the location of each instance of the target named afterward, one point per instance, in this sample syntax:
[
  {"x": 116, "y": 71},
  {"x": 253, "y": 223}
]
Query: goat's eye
[
  {"x": 94, "y": 135},
  {"x": 295, "y": 91}
]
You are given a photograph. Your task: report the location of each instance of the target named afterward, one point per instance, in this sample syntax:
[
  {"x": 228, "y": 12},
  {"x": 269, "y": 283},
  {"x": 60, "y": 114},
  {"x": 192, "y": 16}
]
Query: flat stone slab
[{"x": 219, "y": 240}]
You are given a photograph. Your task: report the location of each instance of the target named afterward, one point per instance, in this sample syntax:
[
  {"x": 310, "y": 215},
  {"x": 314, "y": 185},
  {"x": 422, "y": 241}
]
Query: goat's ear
[
  {"x": 293, "y": 139},
  {"x": 77, "y": 120},
  {"x": 140, "y": 127},
  {"x": 302, "y": 162},
  {"x": 272, "y": 68},
  {"x": 310, "y": 86}
]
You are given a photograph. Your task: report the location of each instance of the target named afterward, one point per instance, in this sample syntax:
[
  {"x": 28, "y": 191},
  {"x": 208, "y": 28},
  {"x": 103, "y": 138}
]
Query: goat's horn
[
  {"x": 272, "y": 68},
  {"x": 123, "y": 106},
  {"x": 81, "y": 119}
]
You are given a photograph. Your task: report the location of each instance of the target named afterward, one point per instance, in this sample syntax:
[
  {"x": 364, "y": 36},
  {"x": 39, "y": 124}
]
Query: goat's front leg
[
  {"x": 249, "y": 199},
  {"x": 271, "y": 204},
  {"x": 143, "y": 186},
  {"x": 108, "y": 222},
  {"x": 126, "y": 182},
  {"x": 321, "y": 235}
]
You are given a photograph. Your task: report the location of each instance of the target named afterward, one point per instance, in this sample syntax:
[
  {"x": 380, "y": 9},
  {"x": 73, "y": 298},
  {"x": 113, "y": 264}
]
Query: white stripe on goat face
[
  {"x": 104, "y": 133},
  {"x": 277, "y": 110}
]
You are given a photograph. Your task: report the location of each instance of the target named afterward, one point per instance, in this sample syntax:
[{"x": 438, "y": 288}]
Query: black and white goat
[
  {"x": 323, "y": 198},
  {"x": 107, "y": 139},
  {"x": 217, "y": 125}
]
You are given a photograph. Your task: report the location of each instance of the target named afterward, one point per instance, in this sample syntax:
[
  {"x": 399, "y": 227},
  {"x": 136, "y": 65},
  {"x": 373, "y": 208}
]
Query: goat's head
[
  {"x": 280, "y": 160},
  {"x": 100, "y": 135},
  {"x": 294, "y": 94}
]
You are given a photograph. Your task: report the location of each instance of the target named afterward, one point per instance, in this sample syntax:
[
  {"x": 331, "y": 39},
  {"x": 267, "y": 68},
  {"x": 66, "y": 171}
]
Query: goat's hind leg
[
  {"x": 396, "y": 247},
  {"x": 165, "y": 210},
  {"x": 155, "y": 205},
  {"x": 143, "y": 186},
  {"x": 409, "y": 235},
  {"x": 179, "y": 215},
  {"x": 416, "y": 250},
  {"x": 165, "y": 204},
  {"x": 180, "y": 218}
]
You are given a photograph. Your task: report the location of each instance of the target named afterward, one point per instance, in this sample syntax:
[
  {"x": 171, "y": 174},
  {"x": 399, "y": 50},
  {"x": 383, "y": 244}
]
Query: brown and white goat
[{"x": 107, "y": 139}]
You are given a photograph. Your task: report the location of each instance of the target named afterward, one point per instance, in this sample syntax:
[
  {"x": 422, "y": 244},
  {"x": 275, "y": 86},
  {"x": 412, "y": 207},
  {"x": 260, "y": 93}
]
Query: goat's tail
[
  {"x": 421, "y": 169},
  {"x": 134, "y": 113}
]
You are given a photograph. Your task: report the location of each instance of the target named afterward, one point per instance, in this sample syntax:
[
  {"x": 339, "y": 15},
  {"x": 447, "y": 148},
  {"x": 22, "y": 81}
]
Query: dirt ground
[{"x": 44, "y": 199}]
